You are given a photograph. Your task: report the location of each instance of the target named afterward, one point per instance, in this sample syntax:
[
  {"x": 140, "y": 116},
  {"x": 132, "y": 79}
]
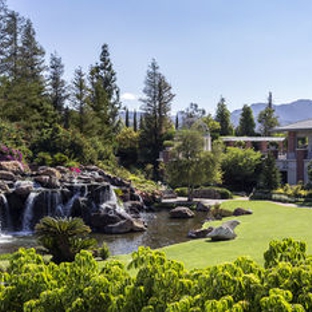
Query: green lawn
[{"x": 269, "y": 221}]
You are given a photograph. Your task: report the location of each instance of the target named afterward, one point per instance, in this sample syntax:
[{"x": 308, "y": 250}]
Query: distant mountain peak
[{"x": 287, "y": 113}]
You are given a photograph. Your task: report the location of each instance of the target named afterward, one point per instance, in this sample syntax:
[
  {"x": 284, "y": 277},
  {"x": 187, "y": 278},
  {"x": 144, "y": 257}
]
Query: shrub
[
  {"x": 43, "y": 159},
  {"x": 8, "y": 153},
  {"x": 59, "y": 159},
  {"x": 103, "y": 251},
  {"x": 160, "y": 284},
  {"x": 206, "y": 192},
  {"x": 64, "y": 237},
  {"x": 181, "y": 191}
]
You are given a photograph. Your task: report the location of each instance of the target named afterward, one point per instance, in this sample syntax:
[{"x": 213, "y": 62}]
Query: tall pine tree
[
  {"x": 57, "y": 88},
  {"x": 79, "y": 101},
  {"x": 127, "y": 122},
  {"x": 223, "y": 118},
  {"x": 247, "y": 123},
  {"x": 156, "y": 108},
  {"x": 105, "y": 100},
  {"x": 135, "y": 122},
  {"x": 23, "y": 69},
  {"x": 267, "y": 118}
]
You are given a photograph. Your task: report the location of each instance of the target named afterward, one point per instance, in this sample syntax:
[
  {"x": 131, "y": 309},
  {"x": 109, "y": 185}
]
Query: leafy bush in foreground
[{"x": 283, "y": 284}]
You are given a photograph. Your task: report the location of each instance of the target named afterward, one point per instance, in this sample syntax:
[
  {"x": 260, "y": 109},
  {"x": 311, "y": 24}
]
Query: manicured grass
[{"x": 269, "y": 221}]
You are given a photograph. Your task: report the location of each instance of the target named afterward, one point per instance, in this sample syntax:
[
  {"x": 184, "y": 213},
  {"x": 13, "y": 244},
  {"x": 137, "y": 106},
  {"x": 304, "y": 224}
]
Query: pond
[{"x": 162, "y": 231}]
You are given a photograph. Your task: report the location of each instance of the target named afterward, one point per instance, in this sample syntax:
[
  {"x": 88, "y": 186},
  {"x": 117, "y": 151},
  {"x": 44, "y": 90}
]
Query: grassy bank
[{"x": 269, "y": 221}]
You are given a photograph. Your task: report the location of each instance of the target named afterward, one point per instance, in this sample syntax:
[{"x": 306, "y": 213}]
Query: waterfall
[
  {"x": 111, "y": 200},
  {"x": 68, "y": 206},
  {"x": 53, "y": 205},
  {"x": 3, "y": 237},
  {"x": 29, "y": 212},
  {"x": 6, "y": 212}
]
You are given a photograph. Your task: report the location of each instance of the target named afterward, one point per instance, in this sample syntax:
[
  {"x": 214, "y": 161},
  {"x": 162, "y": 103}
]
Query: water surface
[{"x": 162, "y": 231}]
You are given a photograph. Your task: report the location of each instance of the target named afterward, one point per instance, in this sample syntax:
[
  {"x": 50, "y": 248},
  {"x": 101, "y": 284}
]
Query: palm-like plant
[{"x": 64, "y": 237}]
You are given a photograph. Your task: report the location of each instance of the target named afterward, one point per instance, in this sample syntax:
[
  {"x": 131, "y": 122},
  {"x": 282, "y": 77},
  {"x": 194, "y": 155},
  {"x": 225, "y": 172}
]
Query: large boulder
[
  {"x": 224, "y": 232},
  {"x": 125, "y": 226},
  {"x": 134, "y": 207},
  {"x": 241, "y": 212},
  {"x": 24, "y": 187},
  {"x": 13, "y": 166},
  {"x": 4, "y": 187},
  {"x": 181, "y": 212},
  {"x": 200, "y": 206},
  {"x": 7, "y": 176},
  {"x": 48, "y": 181},
  {"x": 115, "y": 221},
  {"x": 200, "y": 233},
  {"x": 49, "y": 171}
]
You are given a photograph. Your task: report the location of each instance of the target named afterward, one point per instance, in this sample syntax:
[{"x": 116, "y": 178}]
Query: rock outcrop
[
  {"x": 181, "y": 212},
  {"x": 241, "y": 212},
  {"x": 200, "y": 233},
  {"x": 224, "y": 232},
  {"x": 87, "y": 192}
]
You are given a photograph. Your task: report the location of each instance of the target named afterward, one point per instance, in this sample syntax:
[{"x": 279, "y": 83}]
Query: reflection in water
[{"x": 162, "y": 231}]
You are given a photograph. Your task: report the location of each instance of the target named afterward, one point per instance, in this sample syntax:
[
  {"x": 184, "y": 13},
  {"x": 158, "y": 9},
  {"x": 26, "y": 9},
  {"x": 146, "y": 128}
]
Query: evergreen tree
[
  {"x": 79, "y": 99},
  {"x": 267, "y": 118},
  {"x": 270, "y": 176},
  {"x": 223, "y": 117},
  {"x": 105, "y": 99},
  {"x": 177, "y": 122},
  {"x": 156, "y": 107},
  {"x": 135, "y": 122},
  {"x": 57, "y": 90},
  {"x": 141, "y": 122},
  {"x": 127, "y": 124},
  {"x": 99, "y": 105},
  {"x": 24, "y": 92},
  {"x": 247, "y": 123},
  {"x": 11, "y": 27}
]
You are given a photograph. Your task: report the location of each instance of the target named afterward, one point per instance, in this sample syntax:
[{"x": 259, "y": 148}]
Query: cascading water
[
  {"x": 3, "y": 237},
  {"x": 6, "y": 212},
  {"x": 29, "y": 212},
  {"x": 54, "y": 204},
  {"x": 109, "y": 199}
]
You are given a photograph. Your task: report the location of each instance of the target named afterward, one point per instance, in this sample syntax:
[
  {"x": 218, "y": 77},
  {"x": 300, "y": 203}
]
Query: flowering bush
[
  {"x": 8, "y": 153},
  {"x": 75, "y": 170}
]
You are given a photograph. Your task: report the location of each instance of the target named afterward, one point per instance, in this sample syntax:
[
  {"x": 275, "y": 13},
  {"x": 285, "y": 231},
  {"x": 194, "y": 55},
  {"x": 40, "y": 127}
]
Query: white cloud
[{"x": 128, "y": 96}]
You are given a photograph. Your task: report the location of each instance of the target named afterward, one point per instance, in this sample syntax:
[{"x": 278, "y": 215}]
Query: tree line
[{"x": 54, "y": 122}]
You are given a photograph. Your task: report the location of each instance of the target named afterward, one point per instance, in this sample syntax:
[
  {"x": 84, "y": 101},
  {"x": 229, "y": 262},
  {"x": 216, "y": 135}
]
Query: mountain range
[{"x": 286, "y": 113}]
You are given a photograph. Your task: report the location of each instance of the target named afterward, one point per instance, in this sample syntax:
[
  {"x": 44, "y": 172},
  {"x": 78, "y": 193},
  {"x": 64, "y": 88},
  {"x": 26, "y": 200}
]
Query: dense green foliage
[
  {"x": 160, "y": 284},
  {"x": 241, "y": 168},
  {"x": 267, "y": 118},
  {"x": 156, "y": 125},
  {"x": 215, "y": 192},
  {"x": 190, "y": 165},
  {"x": 42, "y": 112},
  {"x": 247, "y": 123},
  {"x": 270, "y": 175},
  {"x": 223, "y": 118}
]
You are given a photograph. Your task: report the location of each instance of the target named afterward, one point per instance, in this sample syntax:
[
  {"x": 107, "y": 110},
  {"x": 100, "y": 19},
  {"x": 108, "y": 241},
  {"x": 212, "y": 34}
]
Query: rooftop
[
  {"x": 297, "y": 126},
  {"x": 253, "y": 139}
]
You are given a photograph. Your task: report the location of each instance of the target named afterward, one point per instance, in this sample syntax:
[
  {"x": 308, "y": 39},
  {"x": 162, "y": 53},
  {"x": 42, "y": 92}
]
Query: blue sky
[{"x": 240, "y": 49}]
